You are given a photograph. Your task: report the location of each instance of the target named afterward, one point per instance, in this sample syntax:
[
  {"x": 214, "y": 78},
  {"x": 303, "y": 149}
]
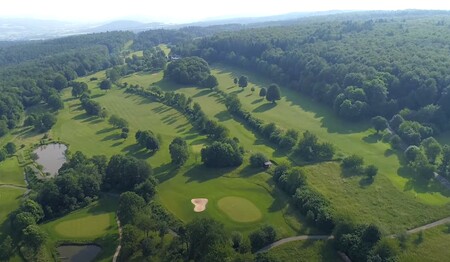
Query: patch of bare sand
[{"x": 199, "y": 204}]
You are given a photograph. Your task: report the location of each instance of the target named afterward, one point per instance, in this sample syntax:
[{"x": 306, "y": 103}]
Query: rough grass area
[
  {"x": 239, "y": 209},
  {"x": 306, "y": 251},
  {"x": 11, "y": 173},
  {"x": 9, "y": 201},
  {"x": 93, "y": 224},
  {"x": 433, "y": 246}
]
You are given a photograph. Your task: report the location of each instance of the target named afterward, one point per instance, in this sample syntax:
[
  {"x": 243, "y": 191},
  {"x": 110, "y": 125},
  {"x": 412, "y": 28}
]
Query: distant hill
[{"x": 126, "y": 25}]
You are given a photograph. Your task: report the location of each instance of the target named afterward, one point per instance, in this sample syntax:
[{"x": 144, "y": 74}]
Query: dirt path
[
  {"x": 329, "y": 237},
  {"x": 116, "y": 254},
  {"x": 291, "y": 239}
]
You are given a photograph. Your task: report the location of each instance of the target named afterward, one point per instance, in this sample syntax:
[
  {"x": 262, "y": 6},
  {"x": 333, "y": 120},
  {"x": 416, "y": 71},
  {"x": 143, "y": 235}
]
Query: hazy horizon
[{"x": 190, "y": 11}]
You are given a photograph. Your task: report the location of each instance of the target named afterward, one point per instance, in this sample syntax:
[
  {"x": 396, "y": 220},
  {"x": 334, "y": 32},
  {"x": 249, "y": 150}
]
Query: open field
[
  {"x": 433, "y": 246},
  {"x": 93, "y": 224},
  {"x": 11, "y": 172},
  {"x": 10, "y": 201},
  {"x": 305, "y": 251},
  {"x": 239, "y": 209}
]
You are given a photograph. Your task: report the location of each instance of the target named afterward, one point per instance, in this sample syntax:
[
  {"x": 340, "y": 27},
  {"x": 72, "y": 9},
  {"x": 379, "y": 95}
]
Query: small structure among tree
[{"x": 267, "y": 164}]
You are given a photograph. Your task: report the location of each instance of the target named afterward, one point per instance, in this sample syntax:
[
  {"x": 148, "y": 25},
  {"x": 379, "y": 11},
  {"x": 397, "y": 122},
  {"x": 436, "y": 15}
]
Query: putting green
[
  {"x": 239, "y": 209},
  {"x": 91, "y": 226}
]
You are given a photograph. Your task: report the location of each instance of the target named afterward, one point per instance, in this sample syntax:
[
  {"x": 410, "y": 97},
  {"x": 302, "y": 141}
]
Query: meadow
[
  {"x": 10, "y": 201},
  {"x": 93, "y": 224},
  {"x": 305, "y": 251},
  {"x": 11, "y": 173}
]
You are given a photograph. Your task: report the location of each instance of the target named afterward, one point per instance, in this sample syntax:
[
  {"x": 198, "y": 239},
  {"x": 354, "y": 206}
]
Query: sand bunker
[{"x": 199, "y": 204}]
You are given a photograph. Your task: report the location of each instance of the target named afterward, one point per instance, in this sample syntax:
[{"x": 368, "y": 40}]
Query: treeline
[
  {"x": 79, "y": 182},
  {"x": 307, "y": 147},
  {"x": 225, "y": 151},
  {"x": 191, "y": 71},
  {"x": 33, "y": 75},
  {"x": 153, "y": 59},
  {"x": 361, "y": 67}
]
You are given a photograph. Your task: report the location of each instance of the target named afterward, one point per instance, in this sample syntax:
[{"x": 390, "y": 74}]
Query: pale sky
[{"x": 177, "y": 11}]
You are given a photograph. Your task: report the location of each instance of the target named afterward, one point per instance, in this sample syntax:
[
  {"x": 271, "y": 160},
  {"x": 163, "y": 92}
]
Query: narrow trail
[
  {"x": 330, "y": 237},
  {"x": 116, "y": 254}
]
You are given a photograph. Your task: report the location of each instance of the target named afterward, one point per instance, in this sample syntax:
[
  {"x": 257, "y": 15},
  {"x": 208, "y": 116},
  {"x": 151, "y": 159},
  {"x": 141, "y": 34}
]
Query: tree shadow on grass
[
  {"x": 161, "y": 109},
  {"x": 105, "y": 204},
  {"x": 111, "y": 137},
  {"x": 249, "y": 171},
  {"x": 421, "y": 184},
  {"x": 264, "y": 107},
  {"x": 105, "y": 130},
  {"x": 137, "y": 151},
  {"x": 389, "y": 152},
  {"x": 165, "y": 172},
  {"x": 372, "y": 138},
  {"x": 202, "y": 93},
  {"x": 223, "y": 116},
  {"x": 201, "y": 173},
  {"x": 257, "y": 101},
  {"x": 366, "y": 182}
]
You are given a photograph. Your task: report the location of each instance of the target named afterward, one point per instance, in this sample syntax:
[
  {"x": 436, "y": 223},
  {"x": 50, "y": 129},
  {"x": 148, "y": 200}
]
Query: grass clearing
[
  {"x": 239, "y": 209},
  {"x": 10, "y": 201},
  {"x": 306, "y": 251},
  {"x": 93, "y": 224},
  {"x": 432, "y": 247},
  {"x": 416, "y": 199},
  {"x": 11, "y": 173}
]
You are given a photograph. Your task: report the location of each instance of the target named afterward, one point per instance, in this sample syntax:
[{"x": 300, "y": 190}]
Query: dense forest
[{"x": 361, "y": 66}]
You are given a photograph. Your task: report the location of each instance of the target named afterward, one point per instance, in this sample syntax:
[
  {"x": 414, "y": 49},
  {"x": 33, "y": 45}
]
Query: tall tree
[
  {"x": 243, "y": 81},
  {"x": 273, "y": 93},
  {"x": 379, "y": 123}
]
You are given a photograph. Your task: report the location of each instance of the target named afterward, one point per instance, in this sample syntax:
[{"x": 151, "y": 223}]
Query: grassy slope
[
  {"x": 99, "y": 230},
  {"x": 414, "y": 198},
  {"x": 95, "y": 136},
  {"x": 434, "y": 246},
  {"x": 11, "y": 172},
  {"x": 10, "y": 201},
  {"x": 306, "y": 251}
]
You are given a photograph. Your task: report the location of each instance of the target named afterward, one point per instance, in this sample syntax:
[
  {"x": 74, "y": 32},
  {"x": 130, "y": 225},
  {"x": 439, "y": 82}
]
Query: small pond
[
  {"x": 51, "y": 157},
  {"x": 78, "y": 253}
]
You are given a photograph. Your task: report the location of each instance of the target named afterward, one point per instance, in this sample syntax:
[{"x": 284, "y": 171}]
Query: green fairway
[
  {"x": 432, "y": 246},
  {"x": 11, "y": 173},
  {"x": 9, "y": 201},
  {"x": 306, "y": 251},
  {"x": 91, "y": 226},
  {"x": 239, "y": 209}
]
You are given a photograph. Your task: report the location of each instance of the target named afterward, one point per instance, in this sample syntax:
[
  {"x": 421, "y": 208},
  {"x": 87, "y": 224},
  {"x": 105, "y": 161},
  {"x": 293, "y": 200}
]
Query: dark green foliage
[
  {"x": 371, "y": 171},
  {"x": 202, "y": 236},
  {"x": 6, "y": 249},
  {"x": 123, "y": 173},
  {"x": 34, "y": 237},
  {"x": 41, "y": 122},
  {"x": 188, "y": 71},
  {"x": 130, "y": 205},
  {"x": 257, "y": 160},
  {"x": 3, "y": 154},
  {"x": 222, "y": 154},
  {"x": 262, "y": 92},
  {"x": 273, "y": 93},
  {"x": 60, "y": 82},
  {"x": 113, "y": 75},
  {"x": 130, "y": 241},
  {"x": 147, "y": 189},
  {"x": 148, "y": 140},
  {"x": 79, "y": 88},
  {"x": 290, "y": 180},
  {"x": 92, "y": 107},
  {"x": 210, "y": 82},
  {"x": 444, "y": 167},
  {"x": 10, "y": 148},
  {"x": 105, "y": 84},
  {"x": 179, "y": 151},
  {"x": 311, "y": 150},
  {"x": 353, "y": 163},
  {"x": 262, "y": 237},
  {"x": 118, "y": 122},
  {"x": 243, "y": 81},
  {"x": 379, "y": 123},
  {"x": 266, "y": 257},
  {"x": 33, "y": 208},
  {"x": 432, "y": 149},
  {"x": 411, "y": 153},
  {"x": 396, "y": 142}
]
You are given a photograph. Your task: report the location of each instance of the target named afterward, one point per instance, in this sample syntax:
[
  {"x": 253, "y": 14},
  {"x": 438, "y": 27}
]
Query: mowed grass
[
  {"x": 306, "y": 251},
  {"x": 95, "y": 136},
  {"x": 9, "y": 201},
  {"x": 412, "y": 198},
  {"x": 239, "y": 209},
  {"x": 434, "y": 246},
  {"x": 93, "y": 224},
  {"x": 11, "y": 173}
]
